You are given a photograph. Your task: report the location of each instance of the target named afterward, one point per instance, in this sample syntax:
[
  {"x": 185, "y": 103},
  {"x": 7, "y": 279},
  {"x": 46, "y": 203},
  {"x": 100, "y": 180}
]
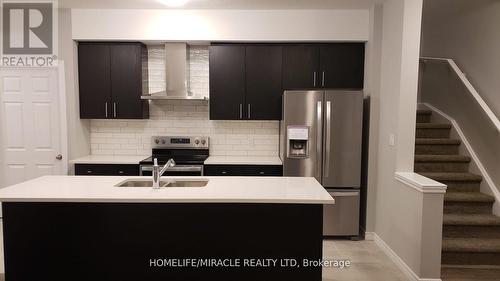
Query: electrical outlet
[{"x": 392, "y": 140}]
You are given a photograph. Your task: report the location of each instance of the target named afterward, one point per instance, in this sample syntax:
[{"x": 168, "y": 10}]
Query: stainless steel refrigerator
[{"x": 321, "y": 137}]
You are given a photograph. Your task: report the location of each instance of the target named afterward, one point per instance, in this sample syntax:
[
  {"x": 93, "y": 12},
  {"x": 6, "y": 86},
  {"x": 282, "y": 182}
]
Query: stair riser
[
  {"x": 468, "y": 231},
  {"x": 440, "y": 167},
  {"x": 462, "y": 186},
  {"x": 423, "y": 118},
  {"x": 467, "y": 208},
  {"x": 472, "y": 273},
  {"x": 436, "y": 149},
  {"x": 470, "y": 258},
  {"x": 433, "y": 133}
]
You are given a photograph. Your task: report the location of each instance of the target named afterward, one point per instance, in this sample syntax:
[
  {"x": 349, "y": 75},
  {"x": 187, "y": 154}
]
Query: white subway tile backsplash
[{"x": 233, "y": 138}]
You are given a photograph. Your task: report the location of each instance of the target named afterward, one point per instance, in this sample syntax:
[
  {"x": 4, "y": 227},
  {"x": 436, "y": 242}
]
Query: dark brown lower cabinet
[
  {"x": 244, "y": 170},
  {"x": 106, "y": 169}
]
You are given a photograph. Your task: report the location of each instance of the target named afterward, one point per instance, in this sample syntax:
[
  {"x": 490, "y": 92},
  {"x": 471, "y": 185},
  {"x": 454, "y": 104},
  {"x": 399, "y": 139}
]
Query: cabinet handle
[
  {"x": 249, "y": 110},
  {"x": 106, "y": 109},
  {"x": 262, "y": 173},
  {"x": 120, "y": 172},
  {"x": 323, "y": 79},
  {"x": 89, "y": 172},
  {"x": 241, "y": 111},
  {"x": 223, "y": 172},
  {"x": 114, "y": 109},
  {"x": 314, "y": 79}
]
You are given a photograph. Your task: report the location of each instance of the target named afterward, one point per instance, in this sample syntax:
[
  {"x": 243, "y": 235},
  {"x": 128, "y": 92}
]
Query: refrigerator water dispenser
[{"x": 298, "y": 142}]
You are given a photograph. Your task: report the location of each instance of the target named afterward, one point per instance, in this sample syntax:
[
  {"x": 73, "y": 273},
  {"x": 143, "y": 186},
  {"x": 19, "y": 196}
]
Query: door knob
[{"x": 59, "y": 157}]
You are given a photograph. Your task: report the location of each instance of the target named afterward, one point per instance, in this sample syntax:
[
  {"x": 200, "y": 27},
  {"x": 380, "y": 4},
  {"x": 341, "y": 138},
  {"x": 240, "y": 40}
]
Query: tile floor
[{"x": 368, "y": 262}]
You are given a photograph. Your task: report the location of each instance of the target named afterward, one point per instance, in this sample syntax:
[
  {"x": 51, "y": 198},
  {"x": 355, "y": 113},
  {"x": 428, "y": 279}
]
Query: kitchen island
[{"x": 235, "y": 228}]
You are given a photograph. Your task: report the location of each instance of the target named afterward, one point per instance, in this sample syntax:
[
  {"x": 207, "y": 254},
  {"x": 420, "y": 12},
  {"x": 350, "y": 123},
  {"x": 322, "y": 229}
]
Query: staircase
[{"x": 471, "y": 233}]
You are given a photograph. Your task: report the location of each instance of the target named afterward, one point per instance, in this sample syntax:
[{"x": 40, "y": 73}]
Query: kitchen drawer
[
  {"x": 243, "y": 170},
  {"x": 106, "y": 170}
]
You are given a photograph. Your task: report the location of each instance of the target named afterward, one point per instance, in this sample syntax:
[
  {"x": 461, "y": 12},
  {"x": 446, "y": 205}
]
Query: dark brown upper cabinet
[
  {"x": 342, "y": 65},
  {"x": 264, "y": 92},
  {"x": 227, "y": 82},
  {"x": 112, "y": 78},
  {"x": 318, "y": 66},
  {"x": 94, "y": 72},
  {"x": 245, "y": 82},
  {"x": 301, "y": 67}
]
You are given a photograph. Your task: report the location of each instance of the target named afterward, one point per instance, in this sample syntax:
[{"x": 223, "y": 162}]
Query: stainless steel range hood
[{"x": 176, "y": 75}]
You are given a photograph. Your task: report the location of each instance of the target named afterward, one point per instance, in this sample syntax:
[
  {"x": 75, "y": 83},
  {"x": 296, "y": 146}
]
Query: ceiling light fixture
[{"x": 174, "y": 3}]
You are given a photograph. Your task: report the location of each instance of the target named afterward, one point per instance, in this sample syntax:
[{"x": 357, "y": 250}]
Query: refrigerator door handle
[
  {"x": 328, "y": 137},
  {"x": 319, "y": 139}
]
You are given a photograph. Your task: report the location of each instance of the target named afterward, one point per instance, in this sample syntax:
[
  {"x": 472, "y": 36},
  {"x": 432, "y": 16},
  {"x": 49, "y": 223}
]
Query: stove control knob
[
  {"x": 197, "y": 142},
  {"x": 163, "y": 141},
  {"x": 157, "y": 141},
  {"x": 203, "y": 142}
]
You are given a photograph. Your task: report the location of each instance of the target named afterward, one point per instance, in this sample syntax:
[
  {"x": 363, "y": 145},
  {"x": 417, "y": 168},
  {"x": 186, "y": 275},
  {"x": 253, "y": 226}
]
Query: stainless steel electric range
[{"x": 189, "y": 154}]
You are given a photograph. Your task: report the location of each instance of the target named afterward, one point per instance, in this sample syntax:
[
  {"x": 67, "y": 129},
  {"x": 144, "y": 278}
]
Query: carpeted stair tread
[
  {"x": 433, "y": 126},
  {"x": 471, "y": 220},
  {"x": 455, "y": 177},
  {"x": 469, "y": 279},
  {"x": 465, "y": 273},
  {"x": 468, "y": 197},
  {"x": 424, "y": 112},
  {"x": 471, "y": 245},
  {"x": 442, "y": 158},
  {"x": 430, "y": 141}
]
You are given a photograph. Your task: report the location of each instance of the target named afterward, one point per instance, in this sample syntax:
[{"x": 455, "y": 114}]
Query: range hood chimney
[{"x": 176, "y": 75}]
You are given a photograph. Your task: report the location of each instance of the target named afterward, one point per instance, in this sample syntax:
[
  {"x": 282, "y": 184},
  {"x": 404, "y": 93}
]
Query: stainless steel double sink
[{"x": 163, "y": 183}]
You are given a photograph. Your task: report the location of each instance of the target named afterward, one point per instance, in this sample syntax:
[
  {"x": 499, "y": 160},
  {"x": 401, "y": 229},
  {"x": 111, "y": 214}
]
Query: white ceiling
[{"x": 220, "y": 4}]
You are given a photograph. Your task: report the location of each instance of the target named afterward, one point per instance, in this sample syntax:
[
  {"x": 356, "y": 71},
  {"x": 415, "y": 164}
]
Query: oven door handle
[
  {"x": 179, "y": 168},
  {"x": 146, "y": 168}
]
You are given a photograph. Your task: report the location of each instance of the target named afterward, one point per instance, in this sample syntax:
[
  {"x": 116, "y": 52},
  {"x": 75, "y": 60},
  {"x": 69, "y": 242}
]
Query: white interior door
[{"x": 32, "y": 142}]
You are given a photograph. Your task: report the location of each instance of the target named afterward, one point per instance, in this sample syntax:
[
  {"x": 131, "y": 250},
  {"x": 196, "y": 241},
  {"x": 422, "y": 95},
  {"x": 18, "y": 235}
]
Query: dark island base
[{"x": 118, "y": 241}]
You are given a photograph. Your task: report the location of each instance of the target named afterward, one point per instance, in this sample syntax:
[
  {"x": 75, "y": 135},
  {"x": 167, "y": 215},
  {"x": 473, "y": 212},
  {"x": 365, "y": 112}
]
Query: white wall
[
  {"x": 78, "y": 130},
  {"x": 401, "y": 212},
  {"x": 467, "y": 31},
  {"x": 372, "y": 89},
  {"x": 221, "y": 25}
]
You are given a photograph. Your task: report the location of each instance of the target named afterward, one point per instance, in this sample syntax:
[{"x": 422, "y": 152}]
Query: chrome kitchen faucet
[{"x": 157, "y": 173}]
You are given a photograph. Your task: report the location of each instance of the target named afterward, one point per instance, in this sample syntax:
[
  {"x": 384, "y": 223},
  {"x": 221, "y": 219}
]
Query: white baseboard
[
  {"x": 398, "y": 261},
  {"x": 370, "y": 236},
  {"x": 486, "y": 177}
]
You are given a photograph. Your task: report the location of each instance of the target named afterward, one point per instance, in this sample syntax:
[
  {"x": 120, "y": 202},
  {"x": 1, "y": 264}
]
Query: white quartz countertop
[
  {"x": 109, "y": 159},
  {"x": 284, "y": 190},
  {"x": 243, "y": 160}
]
